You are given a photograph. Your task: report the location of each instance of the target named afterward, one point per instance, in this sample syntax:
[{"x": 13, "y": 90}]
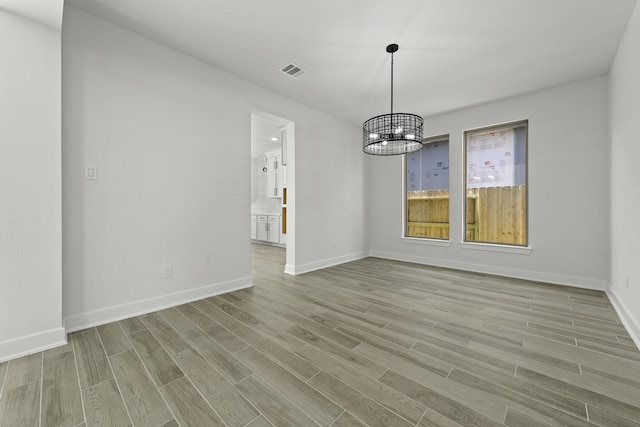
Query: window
[
  {"x": 427, "y": 184},
  {"x": 496, "y": 184}
]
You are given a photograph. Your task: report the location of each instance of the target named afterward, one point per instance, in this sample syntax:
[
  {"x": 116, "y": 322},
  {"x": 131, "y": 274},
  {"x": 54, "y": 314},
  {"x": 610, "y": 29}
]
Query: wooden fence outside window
[{"x": 493, "y": 214}]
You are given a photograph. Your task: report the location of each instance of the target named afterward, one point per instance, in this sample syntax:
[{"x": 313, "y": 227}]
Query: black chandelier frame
[{"x": 393, "y": 133}]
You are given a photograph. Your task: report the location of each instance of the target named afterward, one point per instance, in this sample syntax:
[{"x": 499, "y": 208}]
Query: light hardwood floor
[{"x": 372, "y": 342}]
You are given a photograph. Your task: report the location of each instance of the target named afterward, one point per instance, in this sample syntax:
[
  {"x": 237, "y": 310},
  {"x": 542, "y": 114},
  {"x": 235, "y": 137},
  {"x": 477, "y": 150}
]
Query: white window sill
[
  {"x": 520, "y": 250},
  {"x": 426, "y": 242}
]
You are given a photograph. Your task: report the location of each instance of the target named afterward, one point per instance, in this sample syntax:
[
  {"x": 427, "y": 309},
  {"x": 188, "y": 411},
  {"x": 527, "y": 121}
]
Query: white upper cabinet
[{"x": 274, "y": 174}]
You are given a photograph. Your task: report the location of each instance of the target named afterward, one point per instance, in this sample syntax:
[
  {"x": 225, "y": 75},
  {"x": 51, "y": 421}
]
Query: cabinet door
[
  {"x": 263, "y": 228},
  {"x": 274, "y": 229},
  {"x": 283, "y": 176},
  {"x": 274, "y": 160},
  {"x": 274, "y": 190},
  {"x": 274, "y": 174},
  {"x": 273, "y": 163},
  {"x": 254, "y": 228},
  {"x": 271, "y": 185}
]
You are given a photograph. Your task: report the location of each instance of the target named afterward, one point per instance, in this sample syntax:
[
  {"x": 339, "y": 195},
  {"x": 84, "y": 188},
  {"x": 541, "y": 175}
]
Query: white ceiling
[{"x": 453, "y": 53}]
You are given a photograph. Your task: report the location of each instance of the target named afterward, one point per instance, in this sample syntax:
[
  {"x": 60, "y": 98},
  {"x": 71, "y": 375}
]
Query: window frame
[
  {"x": 405, "y": 208},
  {"x": 471, "y": 244}
]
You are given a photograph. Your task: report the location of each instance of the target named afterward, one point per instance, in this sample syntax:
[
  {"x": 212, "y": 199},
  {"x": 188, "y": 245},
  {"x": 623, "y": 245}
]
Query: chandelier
[{"x": 393, "y": 133}]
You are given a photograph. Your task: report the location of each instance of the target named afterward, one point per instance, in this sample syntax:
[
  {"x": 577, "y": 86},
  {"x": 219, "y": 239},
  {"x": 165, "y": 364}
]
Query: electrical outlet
[
  {"x": 627, "y": 284},
  {"x": 167, "y": 271}
]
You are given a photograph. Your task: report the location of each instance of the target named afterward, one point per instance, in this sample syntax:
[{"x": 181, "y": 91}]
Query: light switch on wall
[{"x": 90, "y": 172}]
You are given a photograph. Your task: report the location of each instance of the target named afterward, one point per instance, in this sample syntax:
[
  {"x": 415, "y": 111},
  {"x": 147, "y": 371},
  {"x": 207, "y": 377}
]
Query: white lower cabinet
[{"x": 267, "y": 228}]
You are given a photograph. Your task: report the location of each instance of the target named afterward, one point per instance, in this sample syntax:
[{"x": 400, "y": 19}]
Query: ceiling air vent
[{"x": 293, "y": 70}]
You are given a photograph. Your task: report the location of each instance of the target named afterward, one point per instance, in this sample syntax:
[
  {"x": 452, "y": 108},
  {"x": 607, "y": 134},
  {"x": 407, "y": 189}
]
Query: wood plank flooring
[{"x": 368, "y": 343}]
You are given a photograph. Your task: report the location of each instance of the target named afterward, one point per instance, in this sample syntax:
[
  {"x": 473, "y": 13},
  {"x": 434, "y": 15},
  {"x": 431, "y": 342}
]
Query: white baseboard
[
  {"x": 631, "y": 324},
  {"x": 330, "y": 262},
  {"x": 290, "y": 269},
  {"x": 539, "y": 276},
  {"x": 29, "y": 344},
  {"x": 136, "y": 308}
]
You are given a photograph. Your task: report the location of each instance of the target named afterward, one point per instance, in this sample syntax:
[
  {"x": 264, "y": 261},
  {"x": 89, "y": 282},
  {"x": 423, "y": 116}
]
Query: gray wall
[
  {"x": 170, "y": 137},
  {"x": 30, "y": 206},
  {"x": 625, "y": 176},
  {"x": 568, "y": 190}
]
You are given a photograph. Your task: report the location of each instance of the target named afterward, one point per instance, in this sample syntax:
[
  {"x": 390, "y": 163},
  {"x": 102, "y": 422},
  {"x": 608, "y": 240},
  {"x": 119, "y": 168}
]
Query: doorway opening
[{"x": 273, "y": 183}]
